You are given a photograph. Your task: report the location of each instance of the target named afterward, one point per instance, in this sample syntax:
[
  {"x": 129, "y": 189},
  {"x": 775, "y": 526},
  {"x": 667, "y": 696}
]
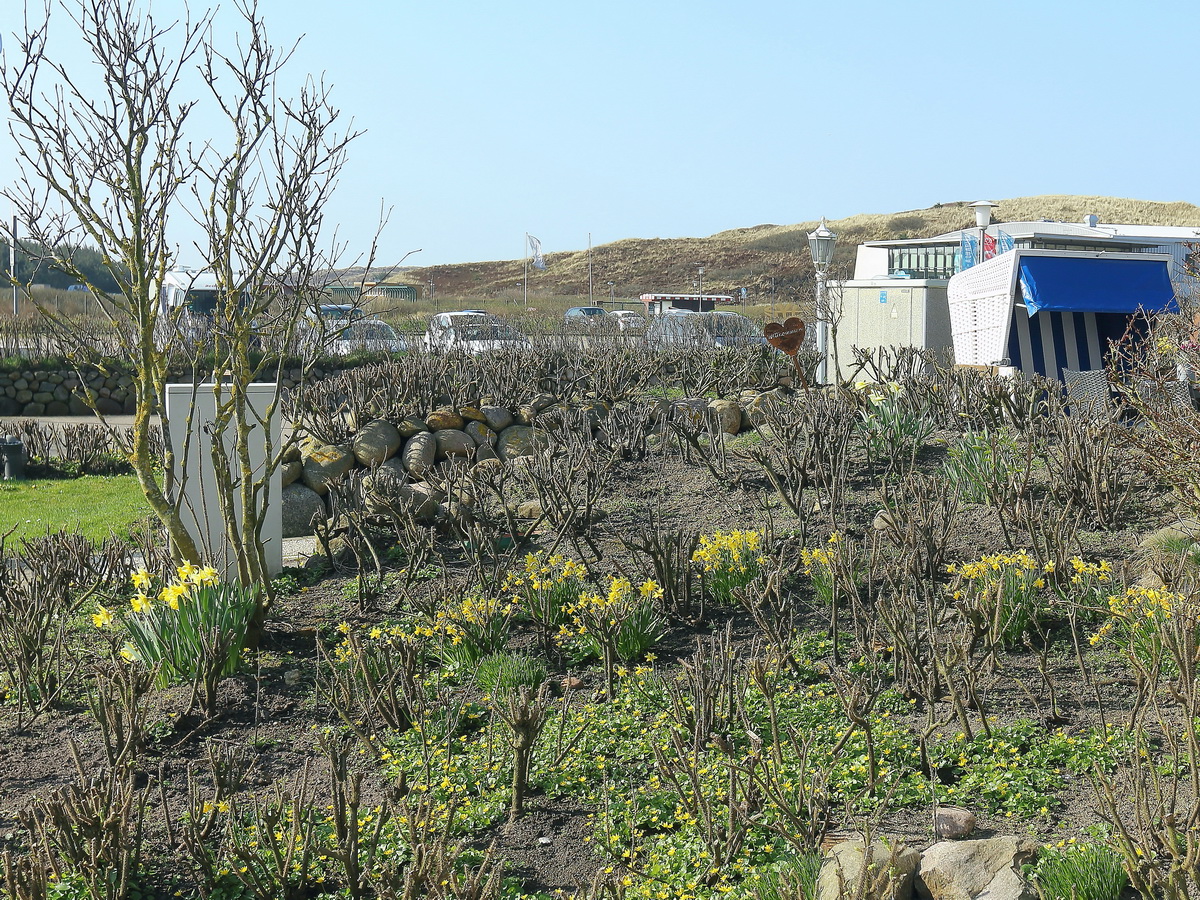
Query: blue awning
[{"x": 1096, "y": 284}]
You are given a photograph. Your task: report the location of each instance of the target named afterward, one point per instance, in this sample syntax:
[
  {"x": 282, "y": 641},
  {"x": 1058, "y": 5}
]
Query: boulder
[
  {"x": 291, "y": 471},
  {"x": 690, "y": 411},
  {"x": 953, "y": 822},
  {"x": 480, "y": 434},
  {"x": 496, "y": 418},
  {"x": 410, "y": 425},
  {"x": 846, "y": 863},
  {"x": 987, "y": 869},
  {"x": 375, "y": 442},
  {"x": 300, "y": 505},
  {"x": 444, "y": 418},
  {"x": 323, "y": 463},
  {"x": 756, "y": 410},
  {"x": 453, "y": 442},
  {"x": 419, "y": 453},
  {"x": 530, "y": 509},
  {"x": 486, "y": 458},
  {"x": 472, "y": 414},
  {"x": 729, "y": 415},
  {"x": 517, "y": 441},
  {"x": 385, "y": 493}
]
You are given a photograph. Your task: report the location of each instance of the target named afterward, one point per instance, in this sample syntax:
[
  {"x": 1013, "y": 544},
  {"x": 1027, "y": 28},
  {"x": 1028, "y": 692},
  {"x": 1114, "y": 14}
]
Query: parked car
[
  {"x": 366, "y": 334},
  {"x": 473, "y": 332},
  {"x": 585, "y": 315},
  {"x": 628, "y": 320},
  {"x": 707, "y": 329},
  {"x": 334, "y": 312}
]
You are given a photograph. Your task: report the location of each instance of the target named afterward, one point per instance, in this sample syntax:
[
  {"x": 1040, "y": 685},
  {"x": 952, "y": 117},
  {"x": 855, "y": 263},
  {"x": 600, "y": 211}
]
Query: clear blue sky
[{"x": 486, "y": 120}]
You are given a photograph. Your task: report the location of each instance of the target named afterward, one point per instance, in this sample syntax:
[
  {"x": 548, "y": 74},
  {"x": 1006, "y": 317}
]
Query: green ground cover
[{"x": 95, "y": 505}]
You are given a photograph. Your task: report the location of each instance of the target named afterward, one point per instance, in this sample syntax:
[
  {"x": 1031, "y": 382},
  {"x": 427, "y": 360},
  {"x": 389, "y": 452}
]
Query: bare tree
[{"x": 106, "y": 160}]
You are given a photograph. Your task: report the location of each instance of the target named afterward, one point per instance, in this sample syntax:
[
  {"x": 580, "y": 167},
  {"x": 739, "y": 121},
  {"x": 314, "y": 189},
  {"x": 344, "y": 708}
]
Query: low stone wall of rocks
[
  {"x": 36, "y": 392},
  {"x": 400, "y": 458}
]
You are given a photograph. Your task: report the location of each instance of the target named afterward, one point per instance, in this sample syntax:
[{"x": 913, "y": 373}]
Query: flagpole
[
  {"x": 590, "y": 301},
  {"x": 525, "y": 280}
]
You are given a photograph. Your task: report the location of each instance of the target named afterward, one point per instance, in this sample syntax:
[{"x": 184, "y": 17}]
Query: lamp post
[
  {"x": 983, "y": 218},
  {"x": 701, "y": 291},
  {"x": 12, "y": 263},
  {"x": 820, "y": 245},
  {"x": 612, "y": 295}
]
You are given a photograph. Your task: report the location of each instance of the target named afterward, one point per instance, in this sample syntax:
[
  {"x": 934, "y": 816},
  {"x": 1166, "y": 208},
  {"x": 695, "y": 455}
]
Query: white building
[{"x": 902, "y": 291}]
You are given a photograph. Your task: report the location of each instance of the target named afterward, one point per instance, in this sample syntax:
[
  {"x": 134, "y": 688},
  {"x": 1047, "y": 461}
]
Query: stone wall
[{"x": 35, "y": 392}]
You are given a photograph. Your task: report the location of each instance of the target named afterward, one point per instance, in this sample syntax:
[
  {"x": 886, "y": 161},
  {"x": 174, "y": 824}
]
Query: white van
[{"x": 473, "y": 332}]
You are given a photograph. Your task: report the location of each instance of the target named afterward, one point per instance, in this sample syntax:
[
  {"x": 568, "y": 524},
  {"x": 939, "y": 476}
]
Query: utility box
[
  {"x": 877, "y": 313},
  {"x": 191, "y": 410}
]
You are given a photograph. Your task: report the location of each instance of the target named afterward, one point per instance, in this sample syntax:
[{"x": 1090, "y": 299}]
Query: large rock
[
  {"x": 597, "y": 411},
  {"x": 444, "y": 418},
  {"x": 517, "y": 441},
  {"x": 496, "y": 418},
  {"x": 291, "y": 471},
  {"x": 480, "y": 434},
  {"x": 385, "y": 493},
  {"x": 323, "y": 463},
  {"x": 953, "y": 822},
  {"x": 300, "y": 505},
  {"x": 453, "y": 442},
  {"x": 846, "y": 864},
  {"x": 976, "y": 870},
  {"x": 410, "y": 425},
  {"x": 690, "y": 411},
  {"x": 757, "y": 409},
  {"x": 376, "y": 442},
  {"x": 419, "y": 453},
  {"x": 486, "y": 459},
  {"x": 729, "y": 415},
  {"x": 472, "y": 414}
]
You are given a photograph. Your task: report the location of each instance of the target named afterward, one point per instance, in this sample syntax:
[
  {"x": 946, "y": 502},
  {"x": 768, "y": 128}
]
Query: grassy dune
[{"x": 752, "y": 257}]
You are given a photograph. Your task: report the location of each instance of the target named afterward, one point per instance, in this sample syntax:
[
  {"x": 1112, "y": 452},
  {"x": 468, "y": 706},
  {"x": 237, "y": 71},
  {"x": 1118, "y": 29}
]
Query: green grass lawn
[{"x": 95, "y": 505}]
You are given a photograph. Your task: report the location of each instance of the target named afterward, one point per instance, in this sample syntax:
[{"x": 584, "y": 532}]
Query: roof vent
[{"x": 1091, "y": 220}]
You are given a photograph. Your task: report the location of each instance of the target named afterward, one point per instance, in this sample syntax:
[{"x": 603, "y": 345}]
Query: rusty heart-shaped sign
[{"x": 787, "y": 337}]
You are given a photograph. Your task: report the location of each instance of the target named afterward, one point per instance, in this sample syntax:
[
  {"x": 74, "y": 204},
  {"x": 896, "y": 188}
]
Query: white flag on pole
[{"x": 535, "y": 250}]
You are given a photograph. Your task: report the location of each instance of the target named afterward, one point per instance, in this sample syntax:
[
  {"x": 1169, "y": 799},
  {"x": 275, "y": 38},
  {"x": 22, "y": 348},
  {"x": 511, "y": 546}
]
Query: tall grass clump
[{"x": 1078, "y": 872}]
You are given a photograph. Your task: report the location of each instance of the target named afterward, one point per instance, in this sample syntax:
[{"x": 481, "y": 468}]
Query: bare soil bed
[{"x": 274, "y": 710}]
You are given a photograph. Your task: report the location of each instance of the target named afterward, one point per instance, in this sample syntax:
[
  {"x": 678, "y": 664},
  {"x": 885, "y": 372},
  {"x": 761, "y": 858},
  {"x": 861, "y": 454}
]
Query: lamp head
[
  {"x": 983, "y": 212},
  {"x": 821, "y": 243}
]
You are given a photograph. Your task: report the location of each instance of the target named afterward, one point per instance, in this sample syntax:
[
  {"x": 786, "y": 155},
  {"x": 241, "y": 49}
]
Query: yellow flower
[
  {"x": 171, "y": 594},
  {"x": 140, "y": 579},
  {"x": 103, "y": 617},
  {"x": 140, "y": 602},
  {"x": 207, "y": 575}
]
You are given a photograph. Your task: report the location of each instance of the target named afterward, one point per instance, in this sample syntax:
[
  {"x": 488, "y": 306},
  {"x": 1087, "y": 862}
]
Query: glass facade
[
  {"x": 944, "y": 260},
  {"x": 936, "y": 261}
]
